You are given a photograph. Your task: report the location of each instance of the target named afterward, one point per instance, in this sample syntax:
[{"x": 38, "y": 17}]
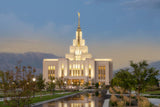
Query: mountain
[
  {"x": 155, "y": 64},
  {"x": 8, "y": 61}
]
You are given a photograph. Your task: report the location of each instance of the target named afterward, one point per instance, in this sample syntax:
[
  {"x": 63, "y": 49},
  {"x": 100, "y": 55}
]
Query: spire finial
[{"x": 78, "y": 19}]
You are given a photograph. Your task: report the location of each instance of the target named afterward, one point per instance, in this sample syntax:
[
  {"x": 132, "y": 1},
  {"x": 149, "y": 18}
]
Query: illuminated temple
[{"x": 78, "y": 66}]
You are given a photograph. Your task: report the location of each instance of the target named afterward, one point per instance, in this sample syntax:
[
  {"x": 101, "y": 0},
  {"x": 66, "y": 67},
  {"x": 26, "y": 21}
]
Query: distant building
[{"x": 78, "y": 66}]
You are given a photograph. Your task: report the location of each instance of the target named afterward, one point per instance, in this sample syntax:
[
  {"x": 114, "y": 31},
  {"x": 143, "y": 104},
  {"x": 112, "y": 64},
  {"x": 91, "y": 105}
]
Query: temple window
[{"x": 51, "y": 71}]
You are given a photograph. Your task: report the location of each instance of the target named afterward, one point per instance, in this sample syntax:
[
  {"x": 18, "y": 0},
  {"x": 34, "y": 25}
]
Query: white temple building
[{"x": 78, "y": 66}]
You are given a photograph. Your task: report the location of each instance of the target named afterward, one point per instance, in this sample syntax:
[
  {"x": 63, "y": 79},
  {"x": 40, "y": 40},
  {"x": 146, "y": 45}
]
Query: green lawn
[
  {"x": 157, "y": 92},
  {"x": 49, "y": 92},
  {"x": 153, "y": 97},
  {"x": 39, "y": 93},
  {"x": 38, "y": 99},
  {"x": 44, "y": 98}
]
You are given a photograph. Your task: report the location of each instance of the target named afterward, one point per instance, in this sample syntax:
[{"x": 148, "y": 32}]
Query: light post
[
  {"x": 72, "y": 85},
  {"x": 53, "y": 86},
  {"x": 65, "y": 84},
  {"x": 34, "y": 79}
]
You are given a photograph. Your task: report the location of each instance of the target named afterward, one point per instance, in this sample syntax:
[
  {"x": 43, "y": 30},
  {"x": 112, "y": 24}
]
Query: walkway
[{"x": 154, "y": 101}]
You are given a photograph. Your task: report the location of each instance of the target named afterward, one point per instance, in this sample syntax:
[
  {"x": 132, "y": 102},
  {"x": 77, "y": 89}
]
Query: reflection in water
[{"x": 94, "y": 99}]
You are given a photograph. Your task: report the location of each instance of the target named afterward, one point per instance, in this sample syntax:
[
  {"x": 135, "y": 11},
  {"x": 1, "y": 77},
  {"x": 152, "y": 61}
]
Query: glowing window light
[
  {"x": 82, "y": 66},
  {"x": 89, "y": 66},
  {"x": 78, "y": 66},
  {"x": 49, "y": 67},
  {"x": 62, "y": 66}
]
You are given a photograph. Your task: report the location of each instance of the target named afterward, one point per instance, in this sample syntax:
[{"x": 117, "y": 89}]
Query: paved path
[
  {"x": 154, "y": 101},
  {"x": 106, "y": 103}
]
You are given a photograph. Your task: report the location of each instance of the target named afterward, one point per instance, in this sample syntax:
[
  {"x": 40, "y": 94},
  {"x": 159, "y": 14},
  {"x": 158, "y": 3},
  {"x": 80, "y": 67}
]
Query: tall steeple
[
  {"x": 79, "y": 28},
  {"x": 78, "y": 51}
]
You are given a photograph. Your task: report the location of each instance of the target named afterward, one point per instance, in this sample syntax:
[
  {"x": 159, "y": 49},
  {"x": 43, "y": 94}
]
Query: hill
[
  {"x": 155, "y": 64},
  {"x": 8, "y": 61}
]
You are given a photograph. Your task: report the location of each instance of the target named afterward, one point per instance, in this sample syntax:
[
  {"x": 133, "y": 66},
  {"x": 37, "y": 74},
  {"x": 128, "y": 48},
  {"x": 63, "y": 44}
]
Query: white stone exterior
[{"x": 78, "y": 66}]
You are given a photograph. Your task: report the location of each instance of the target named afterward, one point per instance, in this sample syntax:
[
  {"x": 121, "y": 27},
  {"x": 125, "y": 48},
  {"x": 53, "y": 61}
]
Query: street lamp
[
  {"x": 65, "y": 84},
  {"x": 34, "y": 79},
  {"x": 72, "y": 84},
  {"x": 53, "y": 86}
]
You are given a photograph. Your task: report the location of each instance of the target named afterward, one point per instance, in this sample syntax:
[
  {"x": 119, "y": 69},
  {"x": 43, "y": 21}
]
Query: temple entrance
[{"x": 75, "y": 82}]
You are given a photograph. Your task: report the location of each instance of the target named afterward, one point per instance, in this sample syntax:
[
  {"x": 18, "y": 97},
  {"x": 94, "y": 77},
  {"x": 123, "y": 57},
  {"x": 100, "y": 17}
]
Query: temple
[{"x": 78, "y": 66}]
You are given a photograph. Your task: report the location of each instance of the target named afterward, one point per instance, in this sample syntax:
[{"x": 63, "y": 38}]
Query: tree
[
  {"x": 124, "y": 79},
  {"x": 138, "y": 78},
  {"x": 51, "y": 87},
  {"x": 18, "y": 85},
  {"x": 143, "y": 76},
  {"x": 86, "y": 84},
  {"x": 97, "y": 85},
  {"x": 40, "y": 83},
  {"x": 59, "y": 82},
  {"x": 51, "y": 84}
]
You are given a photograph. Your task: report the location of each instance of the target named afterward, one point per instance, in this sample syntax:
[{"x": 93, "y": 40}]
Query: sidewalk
[{"x": 154, "y": 101}]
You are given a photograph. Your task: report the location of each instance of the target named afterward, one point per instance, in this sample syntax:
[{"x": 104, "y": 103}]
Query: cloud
[
  {"x": 142, "y": 3},
  {"x": 130, "y": 3},
  {"x": 19, "y": 36},
  {"x": 89, "y": 2}
]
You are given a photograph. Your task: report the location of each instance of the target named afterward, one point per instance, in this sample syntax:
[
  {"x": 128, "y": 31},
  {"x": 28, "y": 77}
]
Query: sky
[{"x": 122, "y": 30}]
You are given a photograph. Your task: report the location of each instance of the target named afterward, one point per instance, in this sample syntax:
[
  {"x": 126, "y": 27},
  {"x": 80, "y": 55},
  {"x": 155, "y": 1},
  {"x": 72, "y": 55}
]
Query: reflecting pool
[{"x": 88, "y": 99}]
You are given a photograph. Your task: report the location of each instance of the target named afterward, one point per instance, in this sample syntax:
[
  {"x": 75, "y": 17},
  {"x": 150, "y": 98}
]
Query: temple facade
[{"x": 78, "y": 66}]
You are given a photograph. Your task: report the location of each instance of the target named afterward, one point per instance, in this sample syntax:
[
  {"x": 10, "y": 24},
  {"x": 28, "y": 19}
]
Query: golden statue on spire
[{"x": 78, "y": 14}]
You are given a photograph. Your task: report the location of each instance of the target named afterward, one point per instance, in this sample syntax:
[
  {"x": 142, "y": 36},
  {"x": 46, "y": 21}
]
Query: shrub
[
  {"x": 114, "y": 99},
  {"x": 120, "y": 104},
  {"x": 126, "y": 99},
  {"x": 144, "y": 102},
  {"x": 116, "y": 89},
  {"x": 132, "y": 96},
  {"x": 111, "y": 90}
]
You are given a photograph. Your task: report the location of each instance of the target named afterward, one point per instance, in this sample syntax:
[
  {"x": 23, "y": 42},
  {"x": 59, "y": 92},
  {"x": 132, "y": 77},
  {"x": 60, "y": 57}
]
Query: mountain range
[
  {"x": 8, "y": 61},
  {"x": 155, "y": 64}
]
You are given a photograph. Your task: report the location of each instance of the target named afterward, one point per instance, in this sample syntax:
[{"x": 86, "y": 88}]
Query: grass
[
  {"x": 158, "y": 97},
  {"x": 157, "y": 92},
  {"x": 39, "y": 93},
  {"x": 43, "y": 98},
  {"x": 49, "y": 92}
]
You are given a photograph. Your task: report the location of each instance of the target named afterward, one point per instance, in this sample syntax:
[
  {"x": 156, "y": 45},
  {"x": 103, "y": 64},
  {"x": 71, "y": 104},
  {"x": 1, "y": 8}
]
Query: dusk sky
[{"x": 122, "y": 30}]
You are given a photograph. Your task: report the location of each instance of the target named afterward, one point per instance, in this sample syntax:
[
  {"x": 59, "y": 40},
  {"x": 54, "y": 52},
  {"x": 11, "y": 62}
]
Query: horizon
[
  {"x": 118, "y": 30},
  {"x": 64, "y": 57}
]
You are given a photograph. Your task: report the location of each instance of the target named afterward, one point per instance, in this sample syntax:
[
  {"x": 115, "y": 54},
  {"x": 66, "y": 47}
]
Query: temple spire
[
  {"x": 79, "y": 28},
  {"x": 78, "y": 19}
]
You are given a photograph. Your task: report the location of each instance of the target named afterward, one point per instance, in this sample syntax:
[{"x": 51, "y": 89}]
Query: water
[{"x": 88, "y": 99}]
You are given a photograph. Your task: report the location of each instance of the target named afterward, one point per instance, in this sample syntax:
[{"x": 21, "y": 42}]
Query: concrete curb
[{"x": 47, "y": 101}]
